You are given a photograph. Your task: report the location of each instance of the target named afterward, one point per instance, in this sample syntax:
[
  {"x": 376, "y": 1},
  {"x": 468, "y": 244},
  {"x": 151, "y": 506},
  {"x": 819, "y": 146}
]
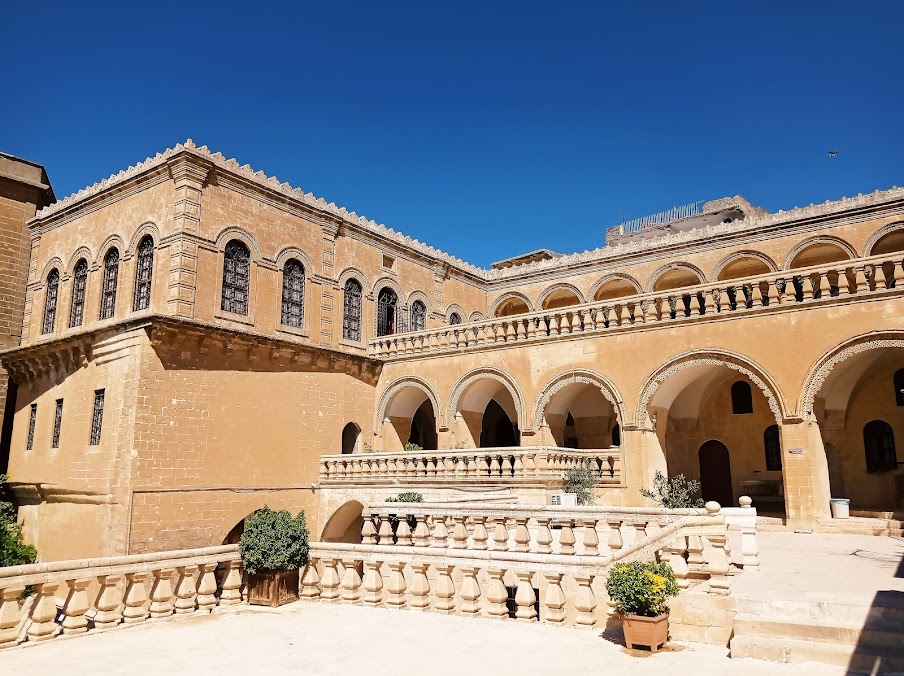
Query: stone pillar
[
  {"x": 805, "y": 471},
  {"x": 642, "y": 455},
  {"x": 327, "y": 291},
  {"x": 10, "y": 615},
  {"x": 43, "y": 613},
  {"x": 189, "y": 178},
  {"x": 76, "y": 606}
]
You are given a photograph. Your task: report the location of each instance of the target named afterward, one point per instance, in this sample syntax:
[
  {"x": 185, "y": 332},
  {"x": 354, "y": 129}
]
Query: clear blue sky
[{"x": 486, "y": 129}]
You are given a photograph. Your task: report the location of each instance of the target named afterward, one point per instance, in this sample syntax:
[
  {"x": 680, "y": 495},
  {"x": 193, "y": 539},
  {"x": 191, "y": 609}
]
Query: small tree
[
  {"x": 580, "y": 481},
  {"x": 675, "y": 492},
  {"x": 274, "y": 541},
  {"x": 13, "y": 549}
]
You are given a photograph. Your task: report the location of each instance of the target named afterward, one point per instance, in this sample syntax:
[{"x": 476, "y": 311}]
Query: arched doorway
[
  {"x": 579, "y": 415},
  {"x": 423, "y": 427},
  {"x": 351, "y": 434},
  {"x": 715, "y": 473},
  {"x": 497, "y": 429}
]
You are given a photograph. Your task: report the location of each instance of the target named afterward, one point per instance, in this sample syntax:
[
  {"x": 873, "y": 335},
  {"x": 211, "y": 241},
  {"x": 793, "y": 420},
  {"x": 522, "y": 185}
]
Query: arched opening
[
  {"x": 817, "y": 254},
  {"x": 579, "y": 416},
  {"x": 615, "y": 288},
  {"x": 409, "y": 418},
  {"x": 345, "y": 524},
  {"x": 351, "y": 437},
  {"x": 512, "y": 306},
  {"x": 890, "y": 243},
  {"x": 497, "y": 430},
  {"x": 715, "y": 473},
  {"x": 423, "y": 427},
  {"x": 387, "y": 312},
  {"x": 879, "y": 447},
  {"x": 560, "y": 298},
  {"x": 741, "y": 398},
  {"x": 744, "y": 266},
  {"x": 676, "y": 279}
]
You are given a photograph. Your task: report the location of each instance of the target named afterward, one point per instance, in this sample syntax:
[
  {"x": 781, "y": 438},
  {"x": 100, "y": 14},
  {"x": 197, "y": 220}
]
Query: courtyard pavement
[{"x": 324, "y": 639}]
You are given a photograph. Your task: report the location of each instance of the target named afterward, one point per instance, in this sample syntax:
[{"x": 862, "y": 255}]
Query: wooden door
[{"x": 715, "y": 473}]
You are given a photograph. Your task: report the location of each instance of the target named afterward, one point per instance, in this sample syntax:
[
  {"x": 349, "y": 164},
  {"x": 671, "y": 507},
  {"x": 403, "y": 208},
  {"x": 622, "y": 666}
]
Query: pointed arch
[
  {"x": 585, "y": 376},
  {"x": 488, "y": 373}
]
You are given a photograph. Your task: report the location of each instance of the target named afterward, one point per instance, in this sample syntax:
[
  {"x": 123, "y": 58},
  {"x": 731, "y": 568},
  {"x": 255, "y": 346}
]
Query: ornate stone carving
[
  {"x": 584, "y": 376},
  {"x": 493, "y": 374},
  {"x": 398, "y": 385}
]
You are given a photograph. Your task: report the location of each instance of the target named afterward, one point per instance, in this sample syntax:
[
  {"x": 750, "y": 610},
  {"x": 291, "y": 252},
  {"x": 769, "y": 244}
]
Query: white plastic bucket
[{"x": 840, "y": 508}]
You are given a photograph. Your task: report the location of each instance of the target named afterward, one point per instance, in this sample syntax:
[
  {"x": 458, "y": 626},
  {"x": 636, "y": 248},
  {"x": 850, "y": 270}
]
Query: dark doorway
[
  {"x": 497, "y": 429},
  {"x": 350, "y": 438},
  {"x": 423, "y": 427},
  {"x": 715, "y": 473},
  {"x": 570, "y": 438}
]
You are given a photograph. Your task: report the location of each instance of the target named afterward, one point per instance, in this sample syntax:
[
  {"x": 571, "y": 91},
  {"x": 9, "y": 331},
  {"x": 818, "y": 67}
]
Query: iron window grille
[
  {"x": 97, "y": 418},
  {"x": 418, "y": 316},
  {"x": 387, "y": 311},
  {"x": 111, "y": 279},
  {"x": 293, "y": 294},
  {"x": 79, "y": 287},
  {"x": 144, "y": 272},
  {"x": 455, "y": 318},
  {"x": 50, "y": 301},
  {"x": 29, "y": 444},
  {"x": 236, "y": 278},
  {"x": 879, "y": 445},
  {"x": 57, "y": 422},
  {"x": 351, "y": 315},
  {"x": 773, "y": 448}
]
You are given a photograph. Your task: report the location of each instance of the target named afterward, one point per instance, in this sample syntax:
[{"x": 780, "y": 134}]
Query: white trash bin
[{"x": 840, "y": 508}]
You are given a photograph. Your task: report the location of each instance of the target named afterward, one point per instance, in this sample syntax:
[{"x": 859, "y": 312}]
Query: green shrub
[
  {"x": 580, "y": 481},
  {"x": 274, "y": 541},
  {"x": 410, "y": 496},
  {"x": 412, "y": 447},
  {"x": 641, "y": 588},
  {"x": 13, "y": 549},
  {"x": 674, "y": 492}
]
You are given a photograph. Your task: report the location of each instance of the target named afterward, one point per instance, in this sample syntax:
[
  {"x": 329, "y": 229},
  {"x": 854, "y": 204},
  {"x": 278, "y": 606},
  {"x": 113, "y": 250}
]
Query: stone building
[{"x": 200, "y": 339}]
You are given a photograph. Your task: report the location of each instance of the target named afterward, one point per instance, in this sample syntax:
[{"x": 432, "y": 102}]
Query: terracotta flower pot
[
  {"x": 273, "y": 587},
  {"x": 649, "y": 631}
]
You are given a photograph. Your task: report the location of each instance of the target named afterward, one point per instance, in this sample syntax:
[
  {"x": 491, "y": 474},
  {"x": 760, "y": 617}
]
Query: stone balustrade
[
  {"x": 103, "y": 593},
  {"x": 565, "y": 588},
  {"x": 530, "y": 465},
  {"x": 839, "y": 282}
]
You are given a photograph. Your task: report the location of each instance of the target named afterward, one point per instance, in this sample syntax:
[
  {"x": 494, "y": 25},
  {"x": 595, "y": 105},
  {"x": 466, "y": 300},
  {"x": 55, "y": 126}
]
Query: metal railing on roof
[{"x": 662, "y": 218}]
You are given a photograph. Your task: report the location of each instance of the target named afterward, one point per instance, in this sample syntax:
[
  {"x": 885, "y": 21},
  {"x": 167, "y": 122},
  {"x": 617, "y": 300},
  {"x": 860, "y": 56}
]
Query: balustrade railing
[
  {"x": 102, "y": 593},
  {"x": 536, "y": 465},
  {"x": 774, "y": 291}
]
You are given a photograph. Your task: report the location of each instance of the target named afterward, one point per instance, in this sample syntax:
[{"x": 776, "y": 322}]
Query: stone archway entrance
[
  {"x": 715, "y": 473},
  {"x": 497, "y": 429}
]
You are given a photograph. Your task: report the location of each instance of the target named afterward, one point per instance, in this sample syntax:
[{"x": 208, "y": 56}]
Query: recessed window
[
  {"x": 97, "y": 417},
  {"x": 899, "y": 387},
  {"x": 33, "y": 416},
  {"x": 879, "y": 446},
  {"x": 454, "y": 318},
  {"x": 741, "y": 398},
  {"x": 418, "y": 316},
  {"x": 236, "y": 278},
  {"x": 79, "y": 286},
  {"x": 773, "y": 447},
  {"x": 388, "y": 262},
  {"x": 293, "y": 294},
  {"x": 351, "y": 316},
  {"x": 50, "y": 301},
  {"x": 111, "y": 280},
  {"x": 57, "y": 423},
  {"x": 144, "y": 272},
  {"x": 387, "y": 302}
]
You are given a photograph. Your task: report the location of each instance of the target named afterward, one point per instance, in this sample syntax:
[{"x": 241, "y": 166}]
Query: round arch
[
  {"x": 146, "y": 228},
  {"x": 505, "y": 298},
  {"x": 383, "y": 282},
  {"x": 748, "y": 259},
  {"x": 55, "y": 262},
  {"x": 680, "y": 274},
  {"x": 455, "y": 307},
  {"x": 555, "y": 289},
  {"x": 619, "y": 280},
  {"x": 234, "y": 232},
  {"x": 890, "y": 234},
  {"x": 357, "y": 275},
  {"x": 487, "y": 373},
  {"x": 80, "y": 253},
  {"x": 578, "y": 376},
  {"x": 697, "y": 358},
  {"x": 397, "y": 386},
  {"x": 290, "y": 252},
  {"x": 110, "y": 241},
  {"x": 241, "y": 511},
  {"x": 344, "y": 525},
  {"x": 421, "y": 296},
  {"x": 824, "y": 241},
  {"x": 476, "y": 317}
]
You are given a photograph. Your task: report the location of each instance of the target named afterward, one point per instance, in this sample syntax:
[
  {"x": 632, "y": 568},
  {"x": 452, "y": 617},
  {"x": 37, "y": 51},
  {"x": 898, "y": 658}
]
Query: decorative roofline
[{"x": 600, "y": 254}]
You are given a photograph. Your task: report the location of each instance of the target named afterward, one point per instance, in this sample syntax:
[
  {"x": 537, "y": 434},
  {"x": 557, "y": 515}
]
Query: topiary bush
[
  {"x": 274, "y": 541},
  {"x": 580, "y": 481},
  {"x": 13, "y": 549},
  {"x": 641, "y": 588},
  {"x": 674, "y": 492}
]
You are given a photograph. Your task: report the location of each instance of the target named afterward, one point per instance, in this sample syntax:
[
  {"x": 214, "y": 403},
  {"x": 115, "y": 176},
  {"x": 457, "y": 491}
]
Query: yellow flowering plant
[{"x": 641, "y": 588}]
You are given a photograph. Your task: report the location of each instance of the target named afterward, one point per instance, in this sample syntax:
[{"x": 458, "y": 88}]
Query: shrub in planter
[
  {"x": 639, "y": 592},
  {"x": 273, "y": 547},
  {"x": 13, "y": 549}
]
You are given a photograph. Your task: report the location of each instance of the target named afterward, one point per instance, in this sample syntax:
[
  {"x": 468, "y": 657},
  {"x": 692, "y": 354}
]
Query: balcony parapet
[
  {"x": 833, "y": 283},
  {"x": 526, "y": 465}
]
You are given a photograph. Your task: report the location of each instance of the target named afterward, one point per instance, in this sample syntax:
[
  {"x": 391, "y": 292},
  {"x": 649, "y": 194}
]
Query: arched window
[
  {"x": 350, "y": 435},
  {"x": 386, "y": 311},
  {"x": 144, "y": 271},
  {"x": 773, "y": 448},
  {"x": 418, "y": 316},
  {"x": 236, "y": 278},
  {"x": 899, "y": 387},
  {"x": 50, "y": 300},
  {"x": 455, "y": 318},
  {"x": 111, "y": 279},
  {"x": 879, "y": 444},
  {"x": 616, "y": 435},
  {"x": 351, "y": 315},
  {"x": 79, "y": 287},
  {"x": 293, "y": 294},
  {"x": 741, "y": 398}
]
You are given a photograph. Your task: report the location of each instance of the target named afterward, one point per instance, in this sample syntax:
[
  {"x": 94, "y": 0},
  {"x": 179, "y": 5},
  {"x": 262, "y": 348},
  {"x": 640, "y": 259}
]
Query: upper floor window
[
  {"x": 111, "y": 279},
  {"x": 455, "y": 318},
  {"x": 236, "y": 277},
  {"x": 293, "y": 294},
  {"x": 899, "y": 387},
  {"x": 32, "y": 418},
  {"x": 741, "y": 398},
  {"x": 57, "y": 424},
  {"x": 351, "y": 315},
  {"x": 387, "y": 300},
  {"x": 50, "y": 301},
  {"x": 418, "y": 316},
  {"x": 773, "y": 448},
  {"x": 79, "y": 287},
  {"x": 144, "y": 271},
  {"x": 879, "y": 445},
  {"x": 97, "y": 417}
]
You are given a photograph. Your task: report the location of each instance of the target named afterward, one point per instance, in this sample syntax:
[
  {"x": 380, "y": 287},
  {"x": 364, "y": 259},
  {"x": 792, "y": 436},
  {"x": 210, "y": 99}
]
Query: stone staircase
[{"x": 843, "y": 633}]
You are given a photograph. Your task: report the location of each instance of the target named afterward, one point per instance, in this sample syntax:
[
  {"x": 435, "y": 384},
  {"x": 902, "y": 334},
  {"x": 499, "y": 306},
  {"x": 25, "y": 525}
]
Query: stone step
[
  {"x": 855, "y": 659},
  {"x": 886, "y": 608},
  {"x": 874, "y": 636}
]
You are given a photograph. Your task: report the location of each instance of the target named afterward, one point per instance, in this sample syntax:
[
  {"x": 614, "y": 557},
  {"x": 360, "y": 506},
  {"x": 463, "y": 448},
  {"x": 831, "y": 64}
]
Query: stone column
[
  {"x": 805, "y": 471},
  {"x": 189, "y": 178},
  {"x": 135, "y": 598},
  {"x": 44, "y": 612}
]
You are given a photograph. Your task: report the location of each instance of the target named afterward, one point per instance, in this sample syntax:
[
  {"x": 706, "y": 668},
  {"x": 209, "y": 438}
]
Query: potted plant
[
  {"x": 639, "y": 592},
  {"x": 273, "y": 547}
]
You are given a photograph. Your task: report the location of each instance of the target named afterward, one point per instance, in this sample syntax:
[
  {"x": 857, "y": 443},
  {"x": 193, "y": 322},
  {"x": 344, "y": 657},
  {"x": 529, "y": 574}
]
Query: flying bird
[{"x": 832, "y": 153}]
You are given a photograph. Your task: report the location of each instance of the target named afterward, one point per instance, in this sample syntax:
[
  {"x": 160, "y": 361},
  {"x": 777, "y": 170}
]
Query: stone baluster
[
  {"x": 640, "y": 530},
  {"x": 136, "y": 596},
  {"x": 329, "y": 583},
  {"x": 544, "y": 536},
  {"x": 677, "y": 552},
  {"x": 497, "y": 595},
  {"x": 470, "y": 592},
  {"x": 500, "y": 535},
  {"x": 525, "y": 597},
  {"x": 480, "y": 536},
  {"x": 421, "y": 536},
  {"x": 694, "y": 305},
  {"x": 310, "y": 582},
  {"x": 566, "y": 537},
  {"x": 10, "y": 615},
  {"x": 461, "y": 468},
  {"x": 584, "y": 602},
  {"x": 825, "y": 287},
  {"x": 861, "y": 283},
  {"x": 496, "y": 466},
  {"x": 615, "y": 536},
  {"x": 445, "y": 589},
  {"x": 509, "y": 331},
  {"x": 368, "y": 532},
  {"x": 807, "y": 283},
  {"x": 109, "y": 597},
  {"x": 898, "y": 274},
  {"x": 44, "y": 612},
  {"x": 384, "y": 535},
  {"x": 709, "y": 303},
  {"x": 75, "y": 606},
  {"x": 591, "y": 539},
  {"x": 403, "y": 531},
  {"x": 750, "y": 549},
  {"x": 522, "y": 535},
  {"x": 694, "y": 550},
  {"x": 772, "y": 293},
  {"x": 459, "y": 533},
  {"x": 448, "y": 466},
  {"x": 879, "y": 276},
  {"x": 373, "y": 584},
  {"x": 351, "y": 582},
  {"x": 483, "y": 467},
  {"x": 718, "y": 566},
  {"x": 440, "y": 532},
  {"x": 420, "y": 587},
  {"x": 185, "y": 590},
  {"x": 518, "y": 466},
  {"x": 161, "y": 593},
  {"x": 553, "y": 599}
]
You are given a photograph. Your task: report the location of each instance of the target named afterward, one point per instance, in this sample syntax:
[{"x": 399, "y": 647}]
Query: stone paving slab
[{"x": 325, "y": 639}]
